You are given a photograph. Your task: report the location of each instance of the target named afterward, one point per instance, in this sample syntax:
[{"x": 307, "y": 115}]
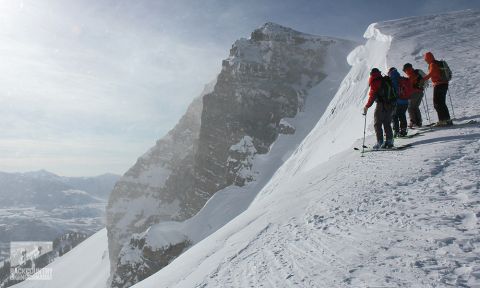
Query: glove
[{"x": 365, "y": 109}]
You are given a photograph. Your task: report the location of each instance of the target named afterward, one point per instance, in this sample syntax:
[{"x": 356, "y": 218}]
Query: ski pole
[
  {"x": 364, "y": 128},
  {"x": 451, "y": 103},
  {"x": 428, "y": 110}
]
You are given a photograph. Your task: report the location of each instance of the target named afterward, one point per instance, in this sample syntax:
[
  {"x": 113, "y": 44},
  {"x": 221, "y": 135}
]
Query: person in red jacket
[
  {"x": 383, "y": 111},
  {"x": 418, "y": 86},
  {"x": 440, "y": 87}
]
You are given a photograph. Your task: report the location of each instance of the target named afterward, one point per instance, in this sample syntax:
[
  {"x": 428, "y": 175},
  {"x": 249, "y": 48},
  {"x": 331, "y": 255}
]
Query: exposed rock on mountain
[{"x": 158, "y": 187}]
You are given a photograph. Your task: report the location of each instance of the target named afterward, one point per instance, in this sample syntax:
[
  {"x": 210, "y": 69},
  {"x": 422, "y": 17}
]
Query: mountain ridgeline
[{"x": 262, "y": 83}]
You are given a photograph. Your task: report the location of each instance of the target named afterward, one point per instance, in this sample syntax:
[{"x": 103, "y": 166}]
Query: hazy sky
[{"x": 88, "y": 86}]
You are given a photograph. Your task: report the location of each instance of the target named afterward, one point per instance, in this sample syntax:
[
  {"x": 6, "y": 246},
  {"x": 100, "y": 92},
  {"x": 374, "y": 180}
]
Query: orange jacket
[{"x": 434, "y": 71}]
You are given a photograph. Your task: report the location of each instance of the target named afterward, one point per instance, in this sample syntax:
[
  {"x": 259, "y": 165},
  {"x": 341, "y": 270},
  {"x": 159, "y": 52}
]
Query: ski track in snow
[{"x": 422, "y": 224}]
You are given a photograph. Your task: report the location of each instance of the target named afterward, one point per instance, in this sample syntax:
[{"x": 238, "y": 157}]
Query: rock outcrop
[{"x": 264, "y": 80}]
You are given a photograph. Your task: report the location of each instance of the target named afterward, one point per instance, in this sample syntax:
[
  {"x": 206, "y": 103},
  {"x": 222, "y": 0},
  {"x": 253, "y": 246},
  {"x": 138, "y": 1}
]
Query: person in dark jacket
[
  {"x": 383, "y": 111},
  {"x": 440, "y": 87},
  {"x": 418, "y": 85}
]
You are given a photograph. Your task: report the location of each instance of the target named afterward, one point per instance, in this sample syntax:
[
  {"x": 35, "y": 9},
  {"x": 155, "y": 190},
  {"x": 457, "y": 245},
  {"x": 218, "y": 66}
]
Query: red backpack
[{"x": 405, "y": 88}]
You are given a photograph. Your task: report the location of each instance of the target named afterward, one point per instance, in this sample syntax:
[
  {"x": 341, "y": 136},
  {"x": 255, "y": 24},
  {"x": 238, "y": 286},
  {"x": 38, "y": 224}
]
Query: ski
[
  {"x": 472, "y": 121},
  {"x": 410, "y": 136},
  {"x": 455, "y": 124},
  {"x": 395, "y": 148},
  {"x": 357, "y": 149}
]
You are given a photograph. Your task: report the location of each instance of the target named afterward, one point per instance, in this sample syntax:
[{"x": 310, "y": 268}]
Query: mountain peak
[
  {"x": 42, "y": 173},
  {"x": 274, "y": 27},
  {"x": 273, "y": 31}
]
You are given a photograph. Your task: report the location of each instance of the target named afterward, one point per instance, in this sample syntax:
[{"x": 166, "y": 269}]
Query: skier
[
  {"x": 418, "y": 85},
  {"x": 403, "y": 88},
  {"x": 440, "y": 87},
  {"x": 381, "y": 92}
]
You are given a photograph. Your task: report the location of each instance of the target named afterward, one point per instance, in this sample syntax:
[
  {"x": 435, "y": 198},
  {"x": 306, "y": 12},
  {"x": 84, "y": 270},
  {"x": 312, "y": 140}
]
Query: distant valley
[{"x": 42, "y": 206}]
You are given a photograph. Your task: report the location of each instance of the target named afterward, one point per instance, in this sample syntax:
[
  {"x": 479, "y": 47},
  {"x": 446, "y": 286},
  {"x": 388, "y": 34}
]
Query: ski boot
[
  {"x": 387, "y": 145},
  {"x": 441, "y": 123},
  {"x": 377, "y": 146}
]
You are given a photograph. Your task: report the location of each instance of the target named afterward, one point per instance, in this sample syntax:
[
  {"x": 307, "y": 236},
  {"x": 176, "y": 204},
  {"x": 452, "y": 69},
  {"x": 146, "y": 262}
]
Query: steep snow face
[
  {"x": 87, "y": 265},
  {"x": 263, "y": 91},
  {"x": 330, "y": 218}
]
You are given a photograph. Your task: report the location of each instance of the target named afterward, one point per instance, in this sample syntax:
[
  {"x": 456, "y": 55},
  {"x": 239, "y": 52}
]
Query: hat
[{"x": 407, "y": 66}]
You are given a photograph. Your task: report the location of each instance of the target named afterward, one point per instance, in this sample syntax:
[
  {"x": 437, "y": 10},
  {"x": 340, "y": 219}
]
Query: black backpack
[
  {"x": 386, "y": 93},
  {"x": 419, "y": 84},
  {"x": 445, "y": 71}
]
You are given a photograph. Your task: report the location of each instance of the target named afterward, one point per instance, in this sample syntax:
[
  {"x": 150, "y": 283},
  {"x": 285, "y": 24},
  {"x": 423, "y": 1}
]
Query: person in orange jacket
[
  {"x": 440, "y": 87},
  {"x": 383, "y": 111}
]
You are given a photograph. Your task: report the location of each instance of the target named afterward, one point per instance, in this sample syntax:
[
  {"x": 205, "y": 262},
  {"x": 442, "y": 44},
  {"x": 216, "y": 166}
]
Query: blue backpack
[{"x": 395, "y": 78}]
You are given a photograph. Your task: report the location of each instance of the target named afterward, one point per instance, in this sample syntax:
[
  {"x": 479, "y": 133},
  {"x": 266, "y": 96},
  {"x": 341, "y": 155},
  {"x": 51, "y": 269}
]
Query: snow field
[{"x": 87, "y": 265}]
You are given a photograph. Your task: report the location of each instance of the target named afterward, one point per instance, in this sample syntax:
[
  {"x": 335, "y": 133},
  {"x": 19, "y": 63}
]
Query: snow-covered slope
[
  {"x": 87, "y": 265},
  {"x": 330, "y": 218}
]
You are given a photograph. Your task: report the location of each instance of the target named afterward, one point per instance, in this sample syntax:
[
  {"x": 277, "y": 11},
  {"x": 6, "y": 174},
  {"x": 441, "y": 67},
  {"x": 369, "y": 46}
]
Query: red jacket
[
  {"x": 406, "y": 88},
  {"x": 375, "y": 83}
]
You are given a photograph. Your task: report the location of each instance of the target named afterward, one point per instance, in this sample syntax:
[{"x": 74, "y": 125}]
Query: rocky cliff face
[
  {"x": 157, "y": 187},
  {"x": 264, "y": 81}
]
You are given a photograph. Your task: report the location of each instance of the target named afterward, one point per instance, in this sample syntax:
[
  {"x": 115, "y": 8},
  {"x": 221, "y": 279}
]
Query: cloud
[{"x": 75, "y": 76}]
